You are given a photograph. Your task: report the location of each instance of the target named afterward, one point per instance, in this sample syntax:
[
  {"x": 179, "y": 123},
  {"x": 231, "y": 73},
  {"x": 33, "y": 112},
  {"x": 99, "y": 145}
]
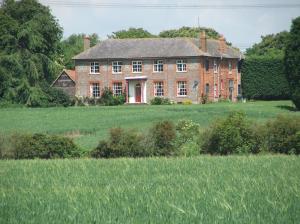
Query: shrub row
[
  {"x": 232, "y": 135},
  {"x": 31, "y": 146},
  {"x": 106, "y": 99}
]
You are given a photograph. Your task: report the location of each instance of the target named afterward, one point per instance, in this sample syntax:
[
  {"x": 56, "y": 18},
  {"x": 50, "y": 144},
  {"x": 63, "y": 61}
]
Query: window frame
[
  {"x": 178, "y": 88},
  {"x": 215, "y": 67},
  {"x": 155, "y": 89},
  {"x": 207, "y": 89},
  {"x": 206, "y": 65},
  {"x": 138, "y": 63},
  {"x": 92, "y": 91},
  {"x": 118, "y": 65},
  {"x": 93, "y": 65},
  {"x": 229, "y": 67},
  {"x": 117, "y": 91},
  {"x": 183, "y": 63},
  {"x": 157, "y": 65}
]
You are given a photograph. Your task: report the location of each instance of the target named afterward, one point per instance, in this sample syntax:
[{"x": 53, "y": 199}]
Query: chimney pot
[{"x": 86, "y": 42}]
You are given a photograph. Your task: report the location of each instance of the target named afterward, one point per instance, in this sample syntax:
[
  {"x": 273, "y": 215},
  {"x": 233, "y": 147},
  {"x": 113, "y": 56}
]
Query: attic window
[
  {"x": 94, "y": 68},
  {"x": 229, "y": 67},
  {"x": 207, "y": 64}
]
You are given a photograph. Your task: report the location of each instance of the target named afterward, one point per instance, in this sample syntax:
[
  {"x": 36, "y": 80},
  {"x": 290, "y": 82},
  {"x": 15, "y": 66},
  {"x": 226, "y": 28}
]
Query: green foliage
[
  {"x": 121, "y": 144},
  {"x": 264, "y": 78},
  {"x": 271, "y": 45},
  {"x": 282, "y": 135},
  {"x": 73, "y": 45},
  {"x": 187, "y": 138},
  {"x": 231, "y": 135},
  {"x": 163, "y": 135},
  {"x": 31, "y": 146},
  {"x": 57, "y": 97},
  {"x": 291, "y": 61},
  {"x": 192, "y": 32},
  {"x": 131, "y": 33},
  {"x": 160, "y": 101},
  {"x": 108, "y": 99},
  {"x": 29, "y": 46}
]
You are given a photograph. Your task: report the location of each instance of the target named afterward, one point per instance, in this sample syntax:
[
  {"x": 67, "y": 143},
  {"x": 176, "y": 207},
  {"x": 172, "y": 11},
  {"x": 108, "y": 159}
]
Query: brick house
[
  {"x": 66, "y": 81},
  {"x": 176, "y": 68}
]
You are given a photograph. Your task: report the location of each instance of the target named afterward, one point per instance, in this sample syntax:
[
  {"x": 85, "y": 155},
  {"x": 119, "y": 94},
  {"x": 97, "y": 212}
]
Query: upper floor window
[
  {"x": 181, "y": 65},
  {"x": 215, "y": 66},
  {"x": 207, "y": 64},
  {"x": 95, "y": 90},
  {"x": 229, "y": 66},
  {"x": 158, "y": 66},
  {"x": 137, "y": 66},
  {"x": 117, "y": 66},
  {"x": 158, "y": 89},
  {"x": 117, "y": 89},
  {"x": 181, "y": 88},
  {"x": 95, "y": 69},
  {"x": 239, "y": 66}
]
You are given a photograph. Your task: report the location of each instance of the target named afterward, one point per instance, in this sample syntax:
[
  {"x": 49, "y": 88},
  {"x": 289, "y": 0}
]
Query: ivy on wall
[{"x": 264, "y": 78}]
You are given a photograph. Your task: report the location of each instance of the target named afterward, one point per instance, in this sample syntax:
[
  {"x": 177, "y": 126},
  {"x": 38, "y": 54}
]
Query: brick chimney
[
  {"x": 86, "y": 43},
  {"x": 222, "y": 44},
  {"x": 203, "y": 42}
]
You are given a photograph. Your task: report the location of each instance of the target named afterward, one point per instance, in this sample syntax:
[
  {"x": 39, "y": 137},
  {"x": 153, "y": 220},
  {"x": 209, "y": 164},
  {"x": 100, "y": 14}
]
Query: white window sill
[
  {"x": 181, "y": 71},
  {"x": 137, "y": 72},
  {"x": 158, "y": 72},
  {"x": 181, "y": 96}
]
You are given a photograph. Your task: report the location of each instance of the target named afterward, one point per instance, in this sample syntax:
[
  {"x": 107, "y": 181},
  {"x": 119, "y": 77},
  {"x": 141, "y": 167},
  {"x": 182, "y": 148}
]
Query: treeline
[{"x": 232, "y": 135}]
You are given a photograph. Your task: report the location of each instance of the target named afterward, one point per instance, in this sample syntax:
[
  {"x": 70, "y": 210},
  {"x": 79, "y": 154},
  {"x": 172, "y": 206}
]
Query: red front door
[{"x": 138, "y": 93}]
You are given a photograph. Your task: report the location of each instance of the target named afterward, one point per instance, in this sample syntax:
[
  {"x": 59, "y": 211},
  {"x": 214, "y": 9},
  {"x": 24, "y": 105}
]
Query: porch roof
[{"x": 135, "y": 77}]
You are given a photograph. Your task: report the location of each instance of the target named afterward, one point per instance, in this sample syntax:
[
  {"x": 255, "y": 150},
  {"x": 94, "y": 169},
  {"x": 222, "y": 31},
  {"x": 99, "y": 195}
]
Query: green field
[
  {"x": 233, "y": 189},
  {"x": 90, "y": 124}
]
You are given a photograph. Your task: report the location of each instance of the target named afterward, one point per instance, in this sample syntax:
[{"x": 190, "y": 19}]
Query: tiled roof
[
  {"x": 71, "y": 74},
  {"x": 155, "y": 48}
]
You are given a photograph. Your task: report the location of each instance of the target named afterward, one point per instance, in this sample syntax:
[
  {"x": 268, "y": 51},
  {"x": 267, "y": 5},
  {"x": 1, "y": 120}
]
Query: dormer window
[{"x": 94, "y": 69}]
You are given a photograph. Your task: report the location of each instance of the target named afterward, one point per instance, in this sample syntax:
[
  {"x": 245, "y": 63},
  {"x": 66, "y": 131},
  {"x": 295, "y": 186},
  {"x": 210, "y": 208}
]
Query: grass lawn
[
  {"x": 233, "y": 189},
  {"x": 90, "y": 124}
]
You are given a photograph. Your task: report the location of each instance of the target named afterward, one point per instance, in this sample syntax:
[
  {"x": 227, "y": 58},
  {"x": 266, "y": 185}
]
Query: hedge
[{"x": 264, "y": 78}]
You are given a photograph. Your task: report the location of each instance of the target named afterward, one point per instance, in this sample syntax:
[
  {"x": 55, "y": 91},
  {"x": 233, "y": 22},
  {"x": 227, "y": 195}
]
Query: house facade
[{"x": 176, "y": 68}]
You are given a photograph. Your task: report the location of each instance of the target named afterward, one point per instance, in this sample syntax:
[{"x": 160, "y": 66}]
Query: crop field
[
  {"x": 233, "y": 189},
  {"x": 88, "y": 125}
]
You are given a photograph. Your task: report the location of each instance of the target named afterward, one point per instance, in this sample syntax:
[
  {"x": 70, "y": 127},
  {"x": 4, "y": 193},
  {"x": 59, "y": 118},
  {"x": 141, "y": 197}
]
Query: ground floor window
[
  {"x": 95, "y": 90},
  {"x": 158, "y": 89},
  {"x": 239, "y": 90},
  {"x": 117, "y": 89},
  {"x": 181, "y": 88},
  {"x": 207, "y": 89}
]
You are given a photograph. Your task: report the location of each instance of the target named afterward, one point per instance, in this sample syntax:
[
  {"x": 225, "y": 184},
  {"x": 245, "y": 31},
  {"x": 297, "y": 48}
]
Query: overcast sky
[{"x": 242, "y": 26}]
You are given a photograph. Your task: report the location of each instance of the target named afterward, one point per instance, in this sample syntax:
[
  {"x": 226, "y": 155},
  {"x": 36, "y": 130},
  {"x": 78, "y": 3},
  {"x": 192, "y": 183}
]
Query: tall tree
[
  {"x": 74, "y": 45},
  {"x": 29, "y": 46},
  {"x": 131, "y": 33},
  {"x": 292, "y": 61},
  {"x": 192, "y": 32},
  {"x": 270, "y": 45}
]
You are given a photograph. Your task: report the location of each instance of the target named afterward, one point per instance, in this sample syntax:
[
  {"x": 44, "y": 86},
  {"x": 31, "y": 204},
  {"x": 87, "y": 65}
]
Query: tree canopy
[
  {"x": 131, "y": 33},
  {"x": 192, "y": 32},
  {"x": 29, "y": 46},
  {"x": 292, "y": 61},
  {"x": 270, "y": 45},
  {"x": 73, "y": 45}
]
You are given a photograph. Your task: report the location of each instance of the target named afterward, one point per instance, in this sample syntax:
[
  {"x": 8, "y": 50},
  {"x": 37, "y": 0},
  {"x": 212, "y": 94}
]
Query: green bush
[
  {"x": 121, "y": 143},
  {"x": 231, "y": 135},
  {"x": 57, "y": 97},
  {"x": 187, "y": 102},
  {"x": 264, "y": 78},
  {"x": 30, "y": 146},
  {"x": 163, "y": 135},
  {"x": 282, "y": 135},
  {"x": 160, "y": 101}
]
